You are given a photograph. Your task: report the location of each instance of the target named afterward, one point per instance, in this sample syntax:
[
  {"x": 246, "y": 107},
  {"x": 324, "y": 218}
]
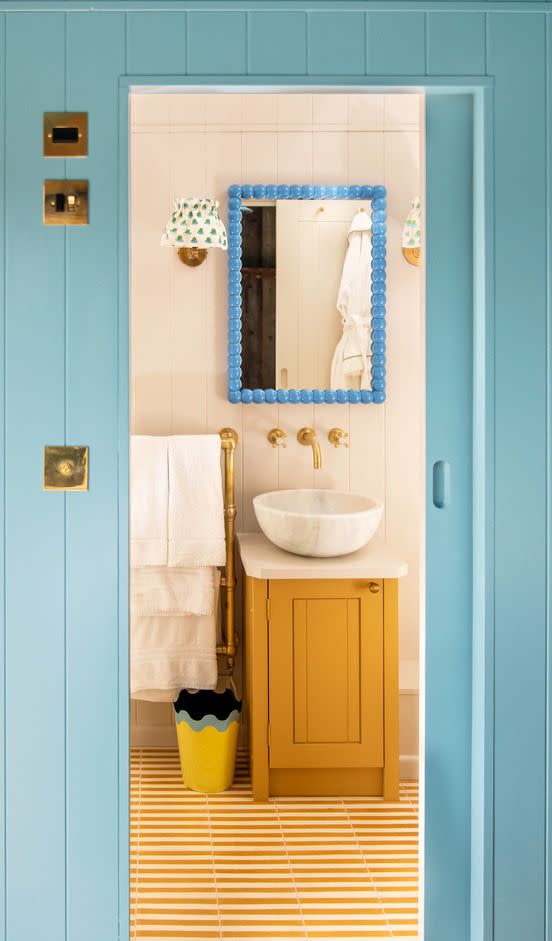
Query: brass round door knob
[
  {"x": 65, "y": 468},
  {"x": 374, "y": 587}
]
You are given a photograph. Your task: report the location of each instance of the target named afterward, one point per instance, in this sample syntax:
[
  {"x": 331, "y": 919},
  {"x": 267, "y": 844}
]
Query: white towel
[
  {"x": 160, "y": 591},
  {"x": 196, "y": 508},
  {"x": 172, "y": 653},
  {"x": 149, "y": 496}
]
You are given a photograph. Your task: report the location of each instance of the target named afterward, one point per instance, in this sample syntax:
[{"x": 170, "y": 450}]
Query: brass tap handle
[
  {"x": 277, "y": 438},
  {"x": 337, "y": 436}
]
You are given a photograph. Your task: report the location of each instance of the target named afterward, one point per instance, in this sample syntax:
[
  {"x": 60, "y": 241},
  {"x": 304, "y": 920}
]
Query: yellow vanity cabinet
[{"x": 321, "y": 685}]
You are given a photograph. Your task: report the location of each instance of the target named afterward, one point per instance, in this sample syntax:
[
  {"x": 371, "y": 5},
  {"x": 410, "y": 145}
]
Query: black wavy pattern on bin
[{"x": 206, "y": 702}]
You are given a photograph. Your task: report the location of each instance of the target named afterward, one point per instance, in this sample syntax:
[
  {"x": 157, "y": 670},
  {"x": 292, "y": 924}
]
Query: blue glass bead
[
  {"x": 306, "y": 396},
  {"x": 354, "y": 193},
  {"x": 366, "y": 192},
  {"x": 282, "y": 395},
  {"x": 283, "y": 192},
  {"x": 307, "y": 192},
  {"x": 379, "y": 264},
  {"x": 378, "y": 336},
  {"x": 234, "y": 228},
  {"x": 378, "y": 359},
  {"x": 379, "y": 397},
  {"x": 234, "y": 215},
  {"x": 378, "y": 347},
  {"x": 271, "y": 191},
  {"x": 270, "y": 396},
  {"x": 378, "y": 249},
  {"x": 247, "y": 191},
  {"x": 378, "y": 288},
  {"x": 234, "y": 395},
  {"x": 234, "y": 253},
  {"x": 378, "y": 314},
  {"x": 378, "y": 299},
  {"x": 378, "y": 385},
  {"x": 378, "y": 372},
  {"x": 295, "y": 191},
  {"x": 234, "y": 383},
  {"x": 366, "y": 396},
  {"x": 379, "y": 228},
  {"x": 234, "y": 203},
  {"x": 259, "y": 191},
  {"x": 354, "y": 396},
  {"x": 331, "y": 191},
  {"x": 234, "y": 372},
  {"x": 234, "y": 315},
  {"x": 379, "y": 192},
  {"x": 317, "y": 396},
  {"x": 247, "y": 396},
  {"x": 330, "y": 396},
  {"x": 234, "y": 293},
  {"x": 234, "y": 190},
  {"x": 379, "y": 216},
  {"x": 343, "y": 192},
  {"x": 342, "y": 396},
  {"x": 319, "y": 192},
  {"x": 234, "y": 276},
  {"x": 378, "y": 241},
  {"x": 294, "y": 395},
  {"x": 258, "y": 396},
  {"x": 379, "y": 204}
]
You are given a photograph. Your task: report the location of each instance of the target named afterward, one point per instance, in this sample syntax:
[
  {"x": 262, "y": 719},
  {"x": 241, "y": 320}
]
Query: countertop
[{"x": 262, "y": 559}]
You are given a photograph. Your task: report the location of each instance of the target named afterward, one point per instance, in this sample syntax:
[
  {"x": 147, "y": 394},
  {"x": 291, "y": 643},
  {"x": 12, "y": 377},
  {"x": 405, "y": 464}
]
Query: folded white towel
[
  {"x": 149, "y": 495},
  {"x": 158, "y": 590},
  {"x": 196, "y": 507},
  {"x": 172, "y": 653}
]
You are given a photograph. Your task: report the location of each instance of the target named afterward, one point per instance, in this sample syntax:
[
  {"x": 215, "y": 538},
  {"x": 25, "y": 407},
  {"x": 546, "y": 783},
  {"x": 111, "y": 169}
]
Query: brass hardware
[
  {"x": 65, "y": 202},
  {"x": 65, "y": 134},
  {"x": 192, "y": 256},
  {"x": 308, "y": 436},
  {"x": 336, "y": 437},
  {"x": 374, "y": 587},
  {"x": 65, "y": 468},
  {"x": 229, "y": 443},
  {"x": 276, "y": 438},
  {"x": 412, "y": 256}
]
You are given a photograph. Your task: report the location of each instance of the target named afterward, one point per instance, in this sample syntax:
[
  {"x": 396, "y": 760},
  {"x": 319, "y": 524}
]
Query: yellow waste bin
[{"x": 207, "y": 727}]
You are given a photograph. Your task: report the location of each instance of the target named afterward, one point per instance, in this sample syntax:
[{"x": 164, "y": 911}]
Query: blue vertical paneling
[
  {"x": 92, "y": 524},
  {"x": 395, "y": 45},
  {"x": 3, "y": 934},
  {"x": 156, "y": 43},
  {"x": 217, "y": 43},
  {"x": 449, "y": 342},
  {"x": 270, "y": 32},
  {"x": 456, "y": 43},
  {"x": 520, "y": 483},
  {"x": 35, "y": 554},
  {"x": 337, "y": 43}
]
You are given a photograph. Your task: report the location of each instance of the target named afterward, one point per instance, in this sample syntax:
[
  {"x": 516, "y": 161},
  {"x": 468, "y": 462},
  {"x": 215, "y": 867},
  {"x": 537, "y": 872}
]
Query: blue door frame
[
  {"x": 63, "y": 789},
  {"x": 458, "y": 131}
]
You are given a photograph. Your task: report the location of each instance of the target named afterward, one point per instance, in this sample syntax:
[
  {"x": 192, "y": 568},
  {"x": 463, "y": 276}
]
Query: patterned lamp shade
[
  {"x": 412, "y": 233},
  {"x": 194, "y": 227}
]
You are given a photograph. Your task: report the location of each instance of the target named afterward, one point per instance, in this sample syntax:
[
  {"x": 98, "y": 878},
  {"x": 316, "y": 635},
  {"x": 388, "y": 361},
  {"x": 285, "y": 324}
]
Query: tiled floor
[{"x": 222, "y": 867}]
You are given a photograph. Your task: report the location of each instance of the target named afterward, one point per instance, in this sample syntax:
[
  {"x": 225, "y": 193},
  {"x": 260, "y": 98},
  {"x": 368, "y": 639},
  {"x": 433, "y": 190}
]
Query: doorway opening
[{"x": 306, "y": 864}]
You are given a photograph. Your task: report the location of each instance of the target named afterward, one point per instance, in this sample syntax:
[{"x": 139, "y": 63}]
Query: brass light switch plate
[
  {"x": 65, "y": 468},
  {"x": 65, "y": 134},
  {"x": 65, "y": 202}
]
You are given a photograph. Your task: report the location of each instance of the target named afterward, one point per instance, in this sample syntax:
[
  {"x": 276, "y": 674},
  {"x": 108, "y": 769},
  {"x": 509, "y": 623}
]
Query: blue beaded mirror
[{"x": 306, "y": 293}]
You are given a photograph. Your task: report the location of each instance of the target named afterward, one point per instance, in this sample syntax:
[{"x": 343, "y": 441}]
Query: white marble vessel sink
[{"x": 317, "y": 523}]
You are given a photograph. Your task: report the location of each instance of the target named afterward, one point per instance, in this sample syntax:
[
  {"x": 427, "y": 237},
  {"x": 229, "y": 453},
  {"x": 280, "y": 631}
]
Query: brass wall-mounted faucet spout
[{"x": 308, "y": 436}]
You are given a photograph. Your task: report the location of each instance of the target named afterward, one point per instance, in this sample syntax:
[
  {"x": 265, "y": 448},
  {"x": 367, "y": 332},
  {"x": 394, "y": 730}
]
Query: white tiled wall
[{"x": 183, "y": 144}]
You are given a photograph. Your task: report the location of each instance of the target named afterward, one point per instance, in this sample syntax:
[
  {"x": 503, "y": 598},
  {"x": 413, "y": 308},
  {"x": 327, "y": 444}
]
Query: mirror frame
[{"x": 377, "y": 195}]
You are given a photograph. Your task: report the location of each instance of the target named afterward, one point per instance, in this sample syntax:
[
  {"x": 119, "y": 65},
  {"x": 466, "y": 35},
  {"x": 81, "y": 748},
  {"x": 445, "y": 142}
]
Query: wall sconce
[
  {"x": 412, "y": 233},
  {"x": 194, "y": 227}
]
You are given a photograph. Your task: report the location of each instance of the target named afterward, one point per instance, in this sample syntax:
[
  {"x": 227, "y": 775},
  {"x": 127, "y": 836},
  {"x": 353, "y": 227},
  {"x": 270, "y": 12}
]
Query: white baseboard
[{"x": 409, "y": 767}]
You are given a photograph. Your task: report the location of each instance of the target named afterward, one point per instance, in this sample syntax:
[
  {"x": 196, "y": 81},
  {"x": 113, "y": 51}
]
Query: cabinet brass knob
[{"x": 374, "y": 587}]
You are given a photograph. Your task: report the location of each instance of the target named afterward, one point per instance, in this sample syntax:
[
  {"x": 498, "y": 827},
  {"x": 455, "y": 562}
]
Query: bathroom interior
[{"x": 277, "y": 513}]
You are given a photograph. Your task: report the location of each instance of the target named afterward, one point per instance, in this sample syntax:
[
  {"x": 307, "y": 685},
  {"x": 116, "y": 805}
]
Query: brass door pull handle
[{"x": 374, "y": 587}]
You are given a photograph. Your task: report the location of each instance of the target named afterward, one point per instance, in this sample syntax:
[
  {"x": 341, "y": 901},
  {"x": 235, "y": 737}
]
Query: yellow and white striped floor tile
[{"x": 219, "y": 866}]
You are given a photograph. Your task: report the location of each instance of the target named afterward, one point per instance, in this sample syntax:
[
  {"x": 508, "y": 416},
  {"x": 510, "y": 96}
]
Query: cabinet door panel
[{"x": 326, "y": 675}]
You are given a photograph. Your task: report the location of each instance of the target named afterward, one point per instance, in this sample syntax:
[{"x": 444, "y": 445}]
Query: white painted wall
[{"x": 200, "y": 144}]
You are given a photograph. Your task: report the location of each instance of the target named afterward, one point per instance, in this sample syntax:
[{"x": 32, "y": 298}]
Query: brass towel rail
[{"x": 229, "y": 648}]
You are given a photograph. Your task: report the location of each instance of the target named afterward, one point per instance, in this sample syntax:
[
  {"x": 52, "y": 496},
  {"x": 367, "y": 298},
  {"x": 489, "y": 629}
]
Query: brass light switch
[
  {"x": 65, "y": 468},
  {"x": 65, "y": 134},
  {"x": 65, "y": 202}
]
